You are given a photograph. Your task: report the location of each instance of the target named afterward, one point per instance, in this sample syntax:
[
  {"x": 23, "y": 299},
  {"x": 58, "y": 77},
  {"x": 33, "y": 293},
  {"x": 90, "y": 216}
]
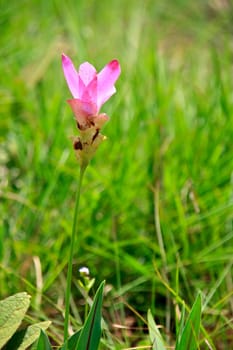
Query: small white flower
[{"x": 84, "y": 271}]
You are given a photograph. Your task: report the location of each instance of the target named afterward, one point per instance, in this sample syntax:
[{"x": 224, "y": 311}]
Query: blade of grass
[
  {"x": 190, "y": 332},
  {"x": 91, "y": 332},
  {"x": 155, "y": 335}
]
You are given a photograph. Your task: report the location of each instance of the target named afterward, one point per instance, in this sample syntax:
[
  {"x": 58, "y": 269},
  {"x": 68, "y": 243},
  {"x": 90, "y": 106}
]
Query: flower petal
[
  {"x": 71, "y": 75},
  {"x": 89, "y": 93},
  {"x": 82, "y": 110},
  {"x": 106, "y": 80},
  {"x": 87, "y": 72}
]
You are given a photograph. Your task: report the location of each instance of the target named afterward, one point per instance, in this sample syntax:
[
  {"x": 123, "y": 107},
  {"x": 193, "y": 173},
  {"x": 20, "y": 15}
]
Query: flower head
[{"x": 90, "y": 89}]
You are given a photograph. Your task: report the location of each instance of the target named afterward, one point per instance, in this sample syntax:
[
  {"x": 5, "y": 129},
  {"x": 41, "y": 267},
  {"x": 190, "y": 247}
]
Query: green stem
[{"x": 70, "y": 263}]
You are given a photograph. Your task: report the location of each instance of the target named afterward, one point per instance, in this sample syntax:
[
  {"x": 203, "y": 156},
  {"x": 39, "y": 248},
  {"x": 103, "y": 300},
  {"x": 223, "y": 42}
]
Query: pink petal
[
  {"x": 71, "y": 75},
  {"x": 87, "y": 72},
  {"x": 89, "y": 93},
  {"x": 106, "y": 80},
  {"x": 82, "y": 110}
]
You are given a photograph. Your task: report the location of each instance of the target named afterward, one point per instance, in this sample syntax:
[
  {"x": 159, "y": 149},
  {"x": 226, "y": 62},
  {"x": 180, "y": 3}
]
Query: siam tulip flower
[{"x": 90, "y": 91}]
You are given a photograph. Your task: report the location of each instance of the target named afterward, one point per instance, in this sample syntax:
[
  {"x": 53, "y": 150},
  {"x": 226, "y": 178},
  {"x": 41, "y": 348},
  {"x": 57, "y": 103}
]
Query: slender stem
[{"x": 70, "y": 263}]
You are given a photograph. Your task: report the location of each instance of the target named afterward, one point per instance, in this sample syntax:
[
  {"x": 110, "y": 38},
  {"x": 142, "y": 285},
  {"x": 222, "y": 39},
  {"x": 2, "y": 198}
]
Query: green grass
[{"x": 165, "y": 171}]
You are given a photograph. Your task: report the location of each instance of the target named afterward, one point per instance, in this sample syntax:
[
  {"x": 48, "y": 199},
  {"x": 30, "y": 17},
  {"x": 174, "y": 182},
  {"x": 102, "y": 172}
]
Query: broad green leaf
[
  {"x": 91, "y": 332},
  {"x": 155, "y": 335},
  {"x": 72, "y": 341},
  {"x": 189, "y": 335},
  {"x": 43, "y": 342},
  {"x": 23, "y": 339},
  {"x": 12, "y": 312}
]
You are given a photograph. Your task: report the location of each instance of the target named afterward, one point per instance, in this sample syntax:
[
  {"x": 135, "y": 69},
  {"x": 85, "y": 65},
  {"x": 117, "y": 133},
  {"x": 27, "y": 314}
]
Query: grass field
[{"x": 156, "y": 211}]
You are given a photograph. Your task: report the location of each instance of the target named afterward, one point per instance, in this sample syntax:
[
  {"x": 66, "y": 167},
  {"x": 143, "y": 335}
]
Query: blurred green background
[{"x": 156, "y": 207}]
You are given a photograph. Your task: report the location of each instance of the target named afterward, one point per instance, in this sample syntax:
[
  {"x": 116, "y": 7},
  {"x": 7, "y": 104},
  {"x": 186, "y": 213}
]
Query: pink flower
[{"x": 90, "y": 90}]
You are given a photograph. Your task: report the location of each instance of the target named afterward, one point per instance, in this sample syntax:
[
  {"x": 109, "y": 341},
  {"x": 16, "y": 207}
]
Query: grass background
[{"x": 156, "y": 208}]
